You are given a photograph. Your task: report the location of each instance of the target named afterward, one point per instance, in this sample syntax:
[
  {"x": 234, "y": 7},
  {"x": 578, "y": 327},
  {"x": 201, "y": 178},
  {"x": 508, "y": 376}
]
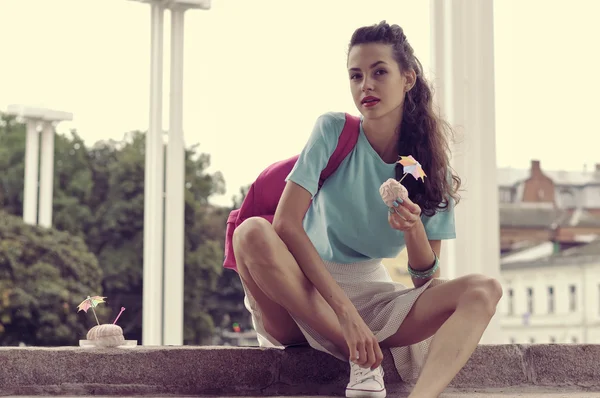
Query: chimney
[{"x": 536, "y": 170}]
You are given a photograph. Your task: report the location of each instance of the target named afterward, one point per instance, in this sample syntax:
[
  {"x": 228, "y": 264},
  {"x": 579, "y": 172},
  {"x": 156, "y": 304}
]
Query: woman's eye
[
  {"x": 354, "y": 76},
  {"x": 380, "y": 72}
]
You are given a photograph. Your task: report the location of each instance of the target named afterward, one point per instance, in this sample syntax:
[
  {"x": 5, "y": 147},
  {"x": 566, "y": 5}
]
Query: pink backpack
[{"x": 264, "y": 194}]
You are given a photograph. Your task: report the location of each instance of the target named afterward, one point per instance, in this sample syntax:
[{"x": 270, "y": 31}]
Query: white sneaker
[{"x": 365, "y": 382}]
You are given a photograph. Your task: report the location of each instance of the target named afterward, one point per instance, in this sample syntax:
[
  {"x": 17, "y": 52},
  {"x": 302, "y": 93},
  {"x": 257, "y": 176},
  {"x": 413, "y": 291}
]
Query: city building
[
  {"x": 538, "y": 206},
  {"x": 550, "y": 255},
  {"x": 554, "y": 298}
]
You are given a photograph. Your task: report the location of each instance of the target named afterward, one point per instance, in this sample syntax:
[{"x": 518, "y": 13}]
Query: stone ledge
[{"x": 259, "y": 372}]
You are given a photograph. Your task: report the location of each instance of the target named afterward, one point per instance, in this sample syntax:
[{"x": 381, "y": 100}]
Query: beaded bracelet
[{"x": 428, "y": 273}]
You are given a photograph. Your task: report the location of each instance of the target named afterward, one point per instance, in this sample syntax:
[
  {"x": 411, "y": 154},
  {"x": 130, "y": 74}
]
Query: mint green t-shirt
[{"x": 347, "y": 220}]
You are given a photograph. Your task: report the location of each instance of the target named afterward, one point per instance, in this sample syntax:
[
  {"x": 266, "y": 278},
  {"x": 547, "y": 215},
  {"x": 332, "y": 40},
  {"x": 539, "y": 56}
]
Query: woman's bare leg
[
  {"x": 276, "y": 320},
  {"x": 456, "y": 313},
  {"x": 266, "y": 264}
]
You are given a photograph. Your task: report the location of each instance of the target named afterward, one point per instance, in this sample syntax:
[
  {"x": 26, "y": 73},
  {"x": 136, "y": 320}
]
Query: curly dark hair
[{"x": 424, "y": 134}]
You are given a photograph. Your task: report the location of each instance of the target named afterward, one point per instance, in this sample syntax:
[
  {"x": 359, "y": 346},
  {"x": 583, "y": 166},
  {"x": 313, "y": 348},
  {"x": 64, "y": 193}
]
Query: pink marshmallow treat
[{"x": 392, "y": 190}]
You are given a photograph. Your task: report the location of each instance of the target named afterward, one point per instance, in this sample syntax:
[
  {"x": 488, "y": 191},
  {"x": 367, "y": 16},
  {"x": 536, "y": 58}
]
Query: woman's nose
[{"x": 367, "y": 86}]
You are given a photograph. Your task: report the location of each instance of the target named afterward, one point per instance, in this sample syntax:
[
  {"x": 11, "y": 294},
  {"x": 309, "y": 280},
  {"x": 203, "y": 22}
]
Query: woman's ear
[{"x": 411, "y": 79}]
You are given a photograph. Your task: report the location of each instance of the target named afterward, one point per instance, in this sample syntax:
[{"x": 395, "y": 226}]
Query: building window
[
  {"x": 530, "y": 300},
  {"x": 550, "y": 300},
  {"x": 511, "y": 304},
  {"x": 567, "y": 199},
  {"x": 572, "y": 298},
  {"x": 506, "y": 195}
]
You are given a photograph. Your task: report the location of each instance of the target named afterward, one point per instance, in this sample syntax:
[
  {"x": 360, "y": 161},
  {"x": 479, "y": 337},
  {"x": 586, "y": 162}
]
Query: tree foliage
[{"x": 44, "y": 275}]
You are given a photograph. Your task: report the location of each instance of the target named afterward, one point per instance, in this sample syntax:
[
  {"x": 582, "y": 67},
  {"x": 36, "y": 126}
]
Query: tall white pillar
[
  {"x": 463, "y": 66},
  {"x": 38, "y": 209},
  {"x": 46, "y": 175},
  {"x": 175, "y": 199},
  {"x": 163, "y": 274},
  {"x": 152, "y": 317},
  {"x": 30, "y": 193}
]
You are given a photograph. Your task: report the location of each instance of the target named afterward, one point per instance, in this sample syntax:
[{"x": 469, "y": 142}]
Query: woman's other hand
[
  {"x": 363, "y": 346},
  {"x": 404, "y": 215}
]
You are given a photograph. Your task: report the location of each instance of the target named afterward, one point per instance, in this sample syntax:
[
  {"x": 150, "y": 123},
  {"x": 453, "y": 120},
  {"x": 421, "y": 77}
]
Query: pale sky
[{"x": 258, "y": 73}]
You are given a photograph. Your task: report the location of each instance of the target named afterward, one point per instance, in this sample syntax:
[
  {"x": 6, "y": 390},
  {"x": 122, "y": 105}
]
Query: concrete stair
[{"x": 499, "y": 370}]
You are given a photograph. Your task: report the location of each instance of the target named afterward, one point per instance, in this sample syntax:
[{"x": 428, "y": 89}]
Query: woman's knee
[
  {"x": 481, "y": 291},
  {"x": 253, "y": 240}
]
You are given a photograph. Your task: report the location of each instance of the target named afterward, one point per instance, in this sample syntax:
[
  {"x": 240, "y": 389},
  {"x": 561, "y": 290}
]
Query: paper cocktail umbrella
[
  {"x": 412, "y": 167},
  {"x": 91, "y": 302}
]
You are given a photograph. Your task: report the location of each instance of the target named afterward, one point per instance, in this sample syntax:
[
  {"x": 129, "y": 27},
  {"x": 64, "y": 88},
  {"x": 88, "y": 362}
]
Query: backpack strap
[{"x": 346, "y": 143}]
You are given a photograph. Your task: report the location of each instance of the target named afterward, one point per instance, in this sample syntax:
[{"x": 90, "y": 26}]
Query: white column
[
  {"x": 152, "y": 319},
  {"x": 46, "y": 175},
  {"x": 32, "y": 165},
  {"x": 175, "y": 200},
  {"x": 463, "y": 59}
]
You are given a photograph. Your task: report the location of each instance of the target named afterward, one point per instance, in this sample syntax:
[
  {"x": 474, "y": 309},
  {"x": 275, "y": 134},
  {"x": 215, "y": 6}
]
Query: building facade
[
  {"x": 550, "y": 255},
  {"x": 565, "y": 189},
  {"x": 553, "y": 299},
  {"x": 539, "y": 206}
]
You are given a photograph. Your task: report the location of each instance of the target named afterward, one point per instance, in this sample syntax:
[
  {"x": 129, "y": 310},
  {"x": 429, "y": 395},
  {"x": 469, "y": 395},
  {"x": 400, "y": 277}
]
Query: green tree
[
  {"x": 226, "y": 303},
  {"x": 44, "y": 275},
  {"x": 72, "y": 182},
  {"x": 12, "y": 169}
]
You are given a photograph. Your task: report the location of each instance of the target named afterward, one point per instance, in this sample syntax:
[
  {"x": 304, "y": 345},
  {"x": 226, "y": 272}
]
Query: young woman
[{"x": 315, "y": 275}]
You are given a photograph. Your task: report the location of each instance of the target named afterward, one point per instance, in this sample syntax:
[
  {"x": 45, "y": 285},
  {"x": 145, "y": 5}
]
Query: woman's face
[{"x": 376, "y": 82}]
